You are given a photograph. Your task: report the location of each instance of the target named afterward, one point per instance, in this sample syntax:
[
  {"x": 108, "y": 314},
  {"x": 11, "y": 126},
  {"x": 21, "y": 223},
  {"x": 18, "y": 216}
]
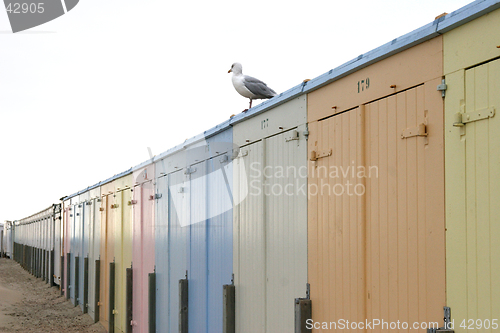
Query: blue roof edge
[
  {"x": 110, "y": 179},
  {"x": 466, "y": 14},
  {"x": 200, "y": 137}
]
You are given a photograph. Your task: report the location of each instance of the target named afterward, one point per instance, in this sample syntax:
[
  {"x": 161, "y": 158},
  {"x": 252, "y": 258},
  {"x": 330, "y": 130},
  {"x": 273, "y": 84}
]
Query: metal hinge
[
  {"x": 294, "y": 135},
  {"x": 303, "y": 312},
  {"x": 315, "y": 156},
  {"x": 464, "y": 118},
  {"x": 189, "y": 171},
  {"x": 419, "y": 130},
  {"x": 234, "y": 154},
  {"x": 447, "y": 323},
  {"x": 442, "y": 88},
  {"x": 158, "y": 196}
]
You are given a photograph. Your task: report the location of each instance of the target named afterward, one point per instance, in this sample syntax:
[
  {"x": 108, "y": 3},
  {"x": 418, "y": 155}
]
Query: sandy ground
[{"x": 28, "y": 304}]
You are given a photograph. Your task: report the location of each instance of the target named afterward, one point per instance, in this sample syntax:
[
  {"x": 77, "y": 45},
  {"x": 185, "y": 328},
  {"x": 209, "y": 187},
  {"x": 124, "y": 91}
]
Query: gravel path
[{"x": 28, "y": 304}]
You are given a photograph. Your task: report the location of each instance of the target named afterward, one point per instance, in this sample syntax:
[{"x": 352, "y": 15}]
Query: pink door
[{"x": 143, "y": 260}]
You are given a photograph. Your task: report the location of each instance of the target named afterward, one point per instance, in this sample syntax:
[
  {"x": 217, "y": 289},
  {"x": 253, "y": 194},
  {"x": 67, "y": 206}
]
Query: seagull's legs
[{"x": 249, "y": 106}]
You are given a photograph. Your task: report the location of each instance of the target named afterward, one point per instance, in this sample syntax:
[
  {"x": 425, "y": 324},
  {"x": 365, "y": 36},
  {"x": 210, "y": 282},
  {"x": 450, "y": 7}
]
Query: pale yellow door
[{"x": 473, "y": 238}]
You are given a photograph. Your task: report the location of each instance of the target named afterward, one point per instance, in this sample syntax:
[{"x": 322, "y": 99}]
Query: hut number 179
[{"x": 363, "y": 84}]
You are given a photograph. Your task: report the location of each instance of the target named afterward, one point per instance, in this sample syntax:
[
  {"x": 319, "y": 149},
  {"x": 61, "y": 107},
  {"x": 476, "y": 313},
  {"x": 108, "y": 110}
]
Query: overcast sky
[{"x": 83, "y": 96}]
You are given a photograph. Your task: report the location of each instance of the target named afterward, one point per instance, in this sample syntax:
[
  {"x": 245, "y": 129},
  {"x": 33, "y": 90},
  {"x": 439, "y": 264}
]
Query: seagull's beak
[{"x": 229, "y": 71}]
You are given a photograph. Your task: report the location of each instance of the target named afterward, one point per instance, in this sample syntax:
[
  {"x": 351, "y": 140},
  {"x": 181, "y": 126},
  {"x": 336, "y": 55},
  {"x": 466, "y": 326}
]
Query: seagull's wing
[{"x": 258, "y": 88}]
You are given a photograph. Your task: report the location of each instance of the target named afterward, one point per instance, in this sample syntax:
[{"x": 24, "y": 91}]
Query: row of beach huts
[{"x": 369, "y": 192}]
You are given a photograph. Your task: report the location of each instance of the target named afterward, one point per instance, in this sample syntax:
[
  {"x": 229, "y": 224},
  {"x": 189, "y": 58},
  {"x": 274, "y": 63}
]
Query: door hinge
[
  {"x": 303, "y": 312},
  {"x": 294, "y": 135},
  {"x": 447, "y": 323},
  {"x": 468, "y": 117},
  {"x": 419, "y": 130},
  {"x": 158, "y": 195},
  {"x": 189, "y": 171},
  {"x": 442, "y": 88},
  {"x": 315, "y": 156}
]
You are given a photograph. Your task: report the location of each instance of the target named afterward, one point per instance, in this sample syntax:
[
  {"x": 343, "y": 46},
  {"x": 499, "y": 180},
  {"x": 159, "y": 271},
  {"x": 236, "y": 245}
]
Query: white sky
[{"x": 83, "y": 96}]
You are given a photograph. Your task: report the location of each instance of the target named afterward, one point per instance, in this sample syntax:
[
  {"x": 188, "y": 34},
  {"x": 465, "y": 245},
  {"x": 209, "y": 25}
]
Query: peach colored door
[{"x": 376, "y": 211}]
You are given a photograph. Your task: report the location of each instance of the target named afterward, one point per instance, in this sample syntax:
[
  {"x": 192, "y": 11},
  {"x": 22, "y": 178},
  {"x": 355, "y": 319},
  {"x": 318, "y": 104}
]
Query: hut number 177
[{"x": 363, "y": 84}]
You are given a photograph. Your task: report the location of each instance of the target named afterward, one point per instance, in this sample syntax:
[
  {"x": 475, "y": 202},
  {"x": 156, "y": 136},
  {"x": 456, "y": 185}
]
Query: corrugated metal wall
[
  {"x": 84, "y": 226},
  {"x": 94, "y": 216},
  {"x": 58, "y": 250},
  {"x": 74, "y": 248},
  {"x": 405, "y": 207},
  {"x": 66, "y": 245},
  {"x": 472, "y": 174},
  {"x": 8, "y": 238},
  {"x": 193, "y": 232},
  {"x": 270, "y": 222},
  {"x": 171, "y": 249},
  {"x": 123, "y": 247},
  {"x": 107, "y": 248},
  {"x": 143, "y": 244},
  {"x": 33, "y": 238},
  {"x": 219, "y": 233},
  {"x": 379, "y": 254},
  {"x": 337, "y": 223}
]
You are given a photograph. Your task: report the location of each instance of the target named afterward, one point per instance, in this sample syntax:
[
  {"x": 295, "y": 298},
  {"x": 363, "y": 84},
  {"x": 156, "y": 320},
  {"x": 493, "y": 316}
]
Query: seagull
[{"x": 248, "y": 86}]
